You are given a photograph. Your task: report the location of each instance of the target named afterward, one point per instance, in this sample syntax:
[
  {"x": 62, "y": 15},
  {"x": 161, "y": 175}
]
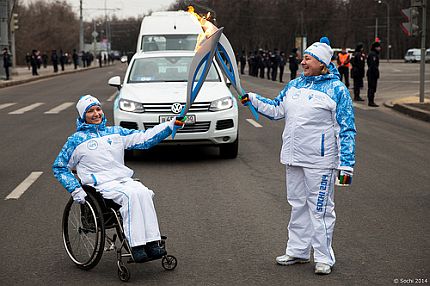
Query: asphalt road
[{"x": 225, "y": 220}]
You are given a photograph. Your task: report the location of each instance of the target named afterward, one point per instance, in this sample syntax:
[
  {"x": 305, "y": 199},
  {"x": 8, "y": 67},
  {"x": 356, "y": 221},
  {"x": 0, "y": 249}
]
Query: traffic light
[
  {"x": 14, "y": 22},
  {"x": 411, "y": 27}
]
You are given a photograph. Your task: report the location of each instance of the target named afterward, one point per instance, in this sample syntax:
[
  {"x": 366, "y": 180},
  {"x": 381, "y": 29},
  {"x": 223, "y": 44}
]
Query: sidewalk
[
  {"x": 21, "y": 74},
  {"x": 412, "y": 107}
]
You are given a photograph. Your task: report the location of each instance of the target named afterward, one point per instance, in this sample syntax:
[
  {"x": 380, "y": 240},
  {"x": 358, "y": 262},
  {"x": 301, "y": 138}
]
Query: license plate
[{"x": 191, "y": 119}]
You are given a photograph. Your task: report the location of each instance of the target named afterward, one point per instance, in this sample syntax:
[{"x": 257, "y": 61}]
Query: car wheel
[{"x": 229, "y": 151}]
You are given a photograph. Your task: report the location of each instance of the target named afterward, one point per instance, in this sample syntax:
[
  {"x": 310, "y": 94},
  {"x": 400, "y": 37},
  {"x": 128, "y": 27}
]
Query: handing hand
[
  {"x": 79, "y": 196},
  {"x": 244, "y": 99},
  {"x": 344, "y": 178}
]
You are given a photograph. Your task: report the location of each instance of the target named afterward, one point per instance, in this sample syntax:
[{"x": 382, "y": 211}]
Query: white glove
[{"x": 79, "y": 195}]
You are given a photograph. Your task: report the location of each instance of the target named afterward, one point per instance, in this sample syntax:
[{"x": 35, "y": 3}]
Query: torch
[
  {"x": 226, "y": 59},
  {"x": 202, "y": 61}
]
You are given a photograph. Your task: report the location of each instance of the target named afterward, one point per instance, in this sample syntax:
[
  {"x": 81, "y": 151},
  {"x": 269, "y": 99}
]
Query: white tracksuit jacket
[
  {"x": 319, "y": 137},
  {"x": 319, "y": 122},
  {"x": 97, "y": 154}
]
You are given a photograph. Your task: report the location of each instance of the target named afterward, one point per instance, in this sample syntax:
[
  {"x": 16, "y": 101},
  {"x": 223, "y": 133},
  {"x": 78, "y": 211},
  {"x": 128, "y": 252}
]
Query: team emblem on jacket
[{"x": 92, "y": 144}]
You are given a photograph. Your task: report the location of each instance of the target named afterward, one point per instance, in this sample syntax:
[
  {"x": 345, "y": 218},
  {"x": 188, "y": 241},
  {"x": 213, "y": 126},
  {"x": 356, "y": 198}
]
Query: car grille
[
  {"x": 128, "y": 124},
  {"x": 166, "y": 107},
  {"x": 188, "y": 128},
  {"x": 224, "y": 124}
]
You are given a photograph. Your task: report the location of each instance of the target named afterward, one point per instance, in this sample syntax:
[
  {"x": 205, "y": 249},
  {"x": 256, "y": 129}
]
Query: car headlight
[
  {"x": 131, "y": 106},
  {"x": 221, "y": 104}
]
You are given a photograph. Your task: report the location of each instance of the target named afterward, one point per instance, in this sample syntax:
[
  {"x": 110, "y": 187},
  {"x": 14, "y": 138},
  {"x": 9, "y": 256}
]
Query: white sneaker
[
  {"x": 322, "y": 268},
  {"x": 289, "y": 260}
]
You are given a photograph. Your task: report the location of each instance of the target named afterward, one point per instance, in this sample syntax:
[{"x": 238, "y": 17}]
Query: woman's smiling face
[
  {"x": 94, "y": 115},
  {"x": 311, "y": 66}
]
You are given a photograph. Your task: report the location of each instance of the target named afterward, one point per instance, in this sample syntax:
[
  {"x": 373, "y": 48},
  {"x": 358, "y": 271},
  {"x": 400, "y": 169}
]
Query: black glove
[{"x": 244, "y": 99}]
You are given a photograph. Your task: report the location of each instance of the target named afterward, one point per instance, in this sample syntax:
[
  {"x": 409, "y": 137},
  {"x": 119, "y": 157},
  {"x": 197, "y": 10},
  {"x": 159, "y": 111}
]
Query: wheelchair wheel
[
  {"x": 84, "y": 232},
  {"x": 169, "y": 262},
  {"x": 123, "y": 272}
]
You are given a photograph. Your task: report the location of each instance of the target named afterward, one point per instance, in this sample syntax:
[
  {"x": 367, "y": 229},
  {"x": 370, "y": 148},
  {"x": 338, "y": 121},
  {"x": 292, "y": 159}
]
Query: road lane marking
[
  {"x": 21, "y": 188},
  {"x": 112, "y": 97},
  {"x": 59, "y": 108},
  {"x": 27, "y": 108},
  {"x": 254, "y": 123},
  {"x": 5, "y": 105}
]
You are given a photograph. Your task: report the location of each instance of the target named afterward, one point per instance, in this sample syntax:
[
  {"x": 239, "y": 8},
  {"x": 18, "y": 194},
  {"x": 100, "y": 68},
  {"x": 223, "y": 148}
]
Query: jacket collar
[{"x": 83, "y": 126}]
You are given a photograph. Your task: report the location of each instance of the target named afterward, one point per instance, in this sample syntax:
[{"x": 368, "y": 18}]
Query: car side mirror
[{"x": 115, "y": 81}]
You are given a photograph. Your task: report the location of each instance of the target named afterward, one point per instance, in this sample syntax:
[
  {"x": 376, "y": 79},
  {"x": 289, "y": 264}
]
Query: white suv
[{"x": 154, "y": 89}]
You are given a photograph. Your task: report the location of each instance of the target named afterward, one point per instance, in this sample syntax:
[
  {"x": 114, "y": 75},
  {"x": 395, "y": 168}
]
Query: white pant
[
  {"x": 310, "y": 192},
  {"x": 137, "y": 209}
]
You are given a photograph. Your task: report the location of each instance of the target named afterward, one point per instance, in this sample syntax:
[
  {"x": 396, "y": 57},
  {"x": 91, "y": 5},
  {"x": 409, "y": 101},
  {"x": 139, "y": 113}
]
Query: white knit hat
[
  {"x": 321, "y": 51},
  {"x": 85, "y": 103}
]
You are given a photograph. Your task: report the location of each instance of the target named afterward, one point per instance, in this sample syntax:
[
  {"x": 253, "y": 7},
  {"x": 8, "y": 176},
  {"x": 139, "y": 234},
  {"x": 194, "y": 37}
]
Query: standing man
[
  {"x": 343, "y": 59},
  {"x": 293, "y": 63},
  {"x": 54, "y": 59},
  {"x": 7, "y": 62},
  {"x": 75, "y": 57},
  {"x": 275, "y": 59},
  {"x": 281, "y": 66},
  {"x": 357, "y": 72},
  {"x": 33, "y": 62},
  {"x": 242, "y": 62},
  {"x": 373, "y": 72}
]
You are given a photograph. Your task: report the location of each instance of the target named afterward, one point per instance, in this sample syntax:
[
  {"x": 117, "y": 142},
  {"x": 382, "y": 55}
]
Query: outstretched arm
[
  {"x": 145, "y": 139},
  {"x": 271, "y": 108}
]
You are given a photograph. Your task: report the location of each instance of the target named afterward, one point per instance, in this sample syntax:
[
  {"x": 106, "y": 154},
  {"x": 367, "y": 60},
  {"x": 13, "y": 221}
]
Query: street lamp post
[{"x": 388, "y": 27}]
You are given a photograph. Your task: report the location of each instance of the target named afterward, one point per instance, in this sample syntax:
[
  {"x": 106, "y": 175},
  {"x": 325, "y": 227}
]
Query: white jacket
[
  {"x": 319, "y": 121},
  {"x": 97, "y": 152}
]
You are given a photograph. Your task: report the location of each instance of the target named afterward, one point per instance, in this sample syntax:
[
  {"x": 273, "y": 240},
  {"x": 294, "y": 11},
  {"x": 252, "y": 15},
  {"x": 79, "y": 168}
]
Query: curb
[
  {"x": 409, "y": 110},
  {"x": 36, "y": 78}
]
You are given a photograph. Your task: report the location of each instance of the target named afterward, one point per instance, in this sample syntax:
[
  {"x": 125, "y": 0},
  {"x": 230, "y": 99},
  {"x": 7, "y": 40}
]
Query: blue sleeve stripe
[{"x": 153, "y": 140}]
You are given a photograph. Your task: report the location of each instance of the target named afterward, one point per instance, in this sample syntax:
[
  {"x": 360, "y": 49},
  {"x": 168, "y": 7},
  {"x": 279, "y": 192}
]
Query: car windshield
[
  {"x": 168, "y": 42},
  {"x": 166, "y": 69}
]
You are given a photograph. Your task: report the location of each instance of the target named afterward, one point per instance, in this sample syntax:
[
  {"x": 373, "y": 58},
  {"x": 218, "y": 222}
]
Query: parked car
[
  {"x": 412, "y": 56},
  {"x": 427, "y": 55},
  {"x": 154, "y": 90}
]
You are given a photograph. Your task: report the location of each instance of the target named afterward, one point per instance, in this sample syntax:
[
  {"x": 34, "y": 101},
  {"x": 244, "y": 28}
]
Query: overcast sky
[{"x": 123, "y": 8}]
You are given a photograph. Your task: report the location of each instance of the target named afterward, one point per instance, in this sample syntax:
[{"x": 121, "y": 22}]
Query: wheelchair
[{"x": 85, "y": 237}]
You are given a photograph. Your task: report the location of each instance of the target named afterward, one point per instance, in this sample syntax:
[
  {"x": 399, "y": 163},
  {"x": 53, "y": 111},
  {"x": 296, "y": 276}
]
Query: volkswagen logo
[{"x": 176, "y": 108}]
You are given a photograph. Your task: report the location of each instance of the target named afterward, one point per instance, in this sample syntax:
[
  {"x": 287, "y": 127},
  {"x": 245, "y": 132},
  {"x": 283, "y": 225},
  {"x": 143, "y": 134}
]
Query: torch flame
[{"x": 208, "y": 28}]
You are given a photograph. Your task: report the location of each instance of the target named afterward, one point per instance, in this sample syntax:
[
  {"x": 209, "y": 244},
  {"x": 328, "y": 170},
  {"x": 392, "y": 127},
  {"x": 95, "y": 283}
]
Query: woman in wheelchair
[{"x": 96, "y": 151}]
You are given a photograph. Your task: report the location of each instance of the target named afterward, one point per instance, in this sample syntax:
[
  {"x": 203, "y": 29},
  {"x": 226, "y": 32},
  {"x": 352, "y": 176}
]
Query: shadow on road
[{"x": 174, "y": 154}]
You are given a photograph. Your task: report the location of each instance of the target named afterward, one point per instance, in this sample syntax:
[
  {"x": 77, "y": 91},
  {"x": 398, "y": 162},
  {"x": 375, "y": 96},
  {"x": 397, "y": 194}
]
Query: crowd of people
[
  {"x": 36, "y": 60},
  {"x": 267, "y": 64}
]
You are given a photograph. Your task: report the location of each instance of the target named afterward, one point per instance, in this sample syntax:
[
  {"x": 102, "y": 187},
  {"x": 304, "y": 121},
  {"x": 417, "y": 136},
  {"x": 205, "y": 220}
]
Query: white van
[
  {"x": 168, "y": 30},
  {"x": 413, "y": 56}
]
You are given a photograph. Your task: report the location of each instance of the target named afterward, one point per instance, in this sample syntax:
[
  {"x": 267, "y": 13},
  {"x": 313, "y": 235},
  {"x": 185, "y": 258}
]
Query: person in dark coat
[
  {"x": 282, "y": 60},
  {"x": 54, "y": 60},
  {"x": 274, "y": 60},
  {"x": 45, "y": 59},
  {"x": 373, "y": 72},
  {"x": 358, "y": 63},
  {"x": 28, "y": 60},
  {"x": 75, "y": 58},
  {"x": 7, "y": 62},
  {"x": 242, "y": 60},
  {"x": 62, "y": 60},
  {"x": 34, "y": 62},
  {"x": 293, "y": 60}
]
